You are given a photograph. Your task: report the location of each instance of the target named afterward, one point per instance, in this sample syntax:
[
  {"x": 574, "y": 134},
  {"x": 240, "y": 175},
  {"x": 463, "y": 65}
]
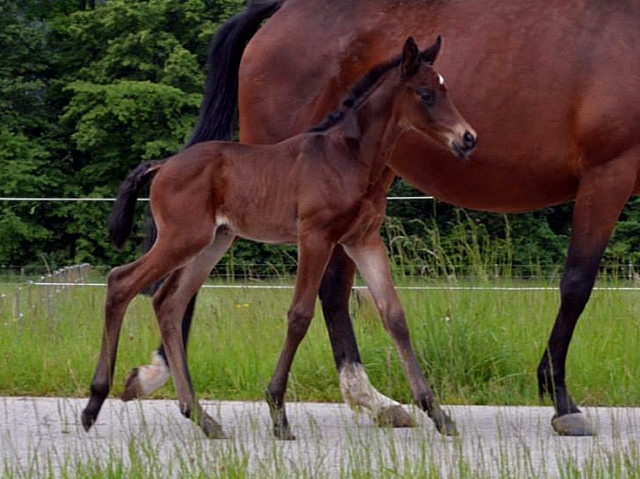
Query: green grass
[{"x": 476, "y": 347}]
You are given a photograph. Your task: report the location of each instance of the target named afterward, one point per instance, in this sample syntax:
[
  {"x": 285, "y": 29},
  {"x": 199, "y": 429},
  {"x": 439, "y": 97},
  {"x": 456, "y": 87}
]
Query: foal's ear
[
  {"x": 410, "y": 58},
  {"x": 430, "y": 54}
]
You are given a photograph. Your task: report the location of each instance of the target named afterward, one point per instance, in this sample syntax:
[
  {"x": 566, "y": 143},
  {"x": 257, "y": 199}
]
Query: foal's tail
[
  {"x": 121, "y": 219},
  {"x": 217, "y": 119}
]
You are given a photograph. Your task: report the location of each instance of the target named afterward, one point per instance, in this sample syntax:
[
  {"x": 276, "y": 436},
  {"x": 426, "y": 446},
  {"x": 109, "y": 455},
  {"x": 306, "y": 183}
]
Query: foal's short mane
[{"x": 357, "y": 93}]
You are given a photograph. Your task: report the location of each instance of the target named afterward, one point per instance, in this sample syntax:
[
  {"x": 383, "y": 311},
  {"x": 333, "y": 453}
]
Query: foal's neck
[{"x": 378, "y": 124}]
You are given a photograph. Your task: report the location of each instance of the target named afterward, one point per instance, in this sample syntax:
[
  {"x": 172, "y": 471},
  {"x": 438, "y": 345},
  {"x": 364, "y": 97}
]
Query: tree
[
  {"x": 25, "y": 132},
  {"x": 88, "y": 90}
]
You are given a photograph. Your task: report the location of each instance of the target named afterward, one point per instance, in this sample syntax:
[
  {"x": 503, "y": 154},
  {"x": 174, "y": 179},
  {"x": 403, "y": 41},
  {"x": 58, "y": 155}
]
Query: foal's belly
[{"x": 264, "y": 228}]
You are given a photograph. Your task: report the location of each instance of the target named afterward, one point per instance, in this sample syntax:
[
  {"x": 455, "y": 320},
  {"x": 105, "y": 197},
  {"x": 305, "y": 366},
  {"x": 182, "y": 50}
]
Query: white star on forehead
[{"x": 441, "y": 78}]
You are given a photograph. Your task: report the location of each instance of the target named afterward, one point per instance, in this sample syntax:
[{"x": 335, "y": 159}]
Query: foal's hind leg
[
  {"x": 602, "y": 194},
  {"x": 144, "y": 380},
  {"x": 313, "y": 253},
  {"x": 371, "y": 259},
  {"x": 170, "y": 303},
  {"x": 124, "y": 283}
]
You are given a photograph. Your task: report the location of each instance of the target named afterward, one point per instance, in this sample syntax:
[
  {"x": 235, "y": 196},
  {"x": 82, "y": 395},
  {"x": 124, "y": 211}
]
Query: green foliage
[
  {"x": 88, "y": 89},
  {"x": 20, "y": 166},
  {"x": 118, "y": 125}
]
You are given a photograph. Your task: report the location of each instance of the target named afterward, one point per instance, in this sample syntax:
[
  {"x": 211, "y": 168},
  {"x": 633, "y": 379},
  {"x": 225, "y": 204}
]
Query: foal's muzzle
[{"x": 466, "y": 146}]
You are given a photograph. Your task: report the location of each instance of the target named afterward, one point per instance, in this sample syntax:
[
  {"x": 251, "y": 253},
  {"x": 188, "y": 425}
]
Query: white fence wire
[
  {"x": 30, "y": 295},
  {"x": 34, "y": 297},
  {"x": 89, "y": 199}
]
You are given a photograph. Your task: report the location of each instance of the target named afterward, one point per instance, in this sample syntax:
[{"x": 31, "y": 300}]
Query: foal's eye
[{"x": 427, "y": 96}]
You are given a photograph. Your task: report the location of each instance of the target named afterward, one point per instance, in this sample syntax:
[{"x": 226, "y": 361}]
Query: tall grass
[
  {"x": 479, "y": 347},
  {"x": 476, "y": 347},
  {"x": 467, "y": 250}
]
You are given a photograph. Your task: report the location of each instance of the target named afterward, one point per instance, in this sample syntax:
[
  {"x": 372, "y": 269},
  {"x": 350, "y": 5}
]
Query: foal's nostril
[{"x": 469, "y": 140}]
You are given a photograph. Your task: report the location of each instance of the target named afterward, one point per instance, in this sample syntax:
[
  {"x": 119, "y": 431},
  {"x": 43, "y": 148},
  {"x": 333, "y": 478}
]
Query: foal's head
[{"x": 424, "y": 104}]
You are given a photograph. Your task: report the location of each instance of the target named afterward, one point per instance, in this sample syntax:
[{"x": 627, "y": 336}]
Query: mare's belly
[{"x": 488, "y": 180}]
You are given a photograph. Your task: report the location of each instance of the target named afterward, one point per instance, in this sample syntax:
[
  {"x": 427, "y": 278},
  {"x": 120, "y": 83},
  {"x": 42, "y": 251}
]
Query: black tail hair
[
  {"x": 218, "y": 114},
  {"x": 121, "y": 219}
]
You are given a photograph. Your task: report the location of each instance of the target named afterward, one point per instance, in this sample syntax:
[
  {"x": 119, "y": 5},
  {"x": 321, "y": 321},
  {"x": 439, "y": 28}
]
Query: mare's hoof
[
  {"x": 573, "y": 424},
  {"x": 132, "y": 388},
  {"x": 88, "y": 419},
  {"x": 212, "y": 429},
  {"x": 394, "y": 416}
]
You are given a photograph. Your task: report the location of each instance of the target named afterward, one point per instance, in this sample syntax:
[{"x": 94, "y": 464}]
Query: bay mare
[
  {"x": 321, "y": 188},
  {"x": 551, "y": 86}
]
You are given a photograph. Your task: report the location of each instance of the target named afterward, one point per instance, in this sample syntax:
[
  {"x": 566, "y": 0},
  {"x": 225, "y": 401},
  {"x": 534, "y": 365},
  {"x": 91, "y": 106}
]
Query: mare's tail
[
  {"x": 121, "y": 219},
  {"x": 218, "y": 112},
  {"x": 218, "y": 115}
]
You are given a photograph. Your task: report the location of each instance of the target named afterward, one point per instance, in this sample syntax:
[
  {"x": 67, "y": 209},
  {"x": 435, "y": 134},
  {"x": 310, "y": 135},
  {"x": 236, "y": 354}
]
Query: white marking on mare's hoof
[
  {"x": 358, "y": 392},
  {"x": 144, "y": 380}
]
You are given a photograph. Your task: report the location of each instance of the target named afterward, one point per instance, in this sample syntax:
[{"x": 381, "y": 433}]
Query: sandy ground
[{"x": 44, "y": 435}]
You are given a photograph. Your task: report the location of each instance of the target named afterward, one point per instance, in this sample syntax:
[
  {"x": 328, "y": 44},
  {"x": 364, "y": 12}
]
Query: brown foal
[{"x": 319, "y": 188}]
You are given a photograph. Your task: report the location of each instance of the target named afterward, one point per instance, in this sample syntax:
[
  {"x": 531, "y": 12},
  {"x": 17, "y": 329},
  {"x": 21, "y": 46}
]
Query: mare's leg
[
  {"x": 356, "y": 388},
  {"x": 170, "y": 303},
  {"x": 371, "y": 259},
  {"x": 313, "y": 253},
  {"x": 602, "y": 193},
  {"x": 124, "y": 283}
]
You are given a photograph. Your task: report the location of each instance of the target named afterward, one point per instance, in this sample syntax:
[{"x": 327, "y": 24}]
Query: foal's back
[{"x": 261, "y": 192}]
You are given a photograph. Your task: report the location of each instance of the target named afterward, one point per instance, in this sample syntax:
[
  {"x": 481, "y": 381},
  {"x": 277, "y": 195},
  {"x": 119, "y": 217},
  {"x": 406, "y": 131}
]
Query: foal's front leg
[
  {"x": 313, "y": 256},
  {"x": 371, "y": 259}
]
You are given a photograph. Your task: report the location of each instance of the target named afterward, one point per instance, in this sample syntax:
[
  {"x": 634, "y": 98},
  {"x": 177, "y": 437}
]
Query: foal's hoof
[
  {"x": 132, "y": 387},
  {"x": 444, "y": 424},
  {"x": 394, "y": 416},
  {"x": 574, "y": 424},
  {"x": 144, "y": 380},
  {"x": 448, "y": 428},
  {"x": 212, "y": 429},
  {"x": 88, "y": 419},
  {"x": 282, "y": 432}
]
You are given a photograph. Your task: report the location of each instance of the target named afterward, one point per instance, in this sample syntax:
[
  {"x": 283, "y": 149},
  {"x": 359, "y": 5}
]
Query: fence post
[
  {"x": 48, "y": 296},
  {"x": 18, "y": 310},
  {"x": 2, "y": 304},
  {"x": 29, "y": 287}
]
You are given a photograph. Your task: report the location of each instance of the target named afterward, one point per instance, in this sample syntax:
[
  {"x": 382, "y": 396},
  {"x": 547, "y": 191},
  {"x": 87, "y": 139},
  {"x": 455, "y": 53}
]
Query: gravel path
[{"x": 41, "y": 436}]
